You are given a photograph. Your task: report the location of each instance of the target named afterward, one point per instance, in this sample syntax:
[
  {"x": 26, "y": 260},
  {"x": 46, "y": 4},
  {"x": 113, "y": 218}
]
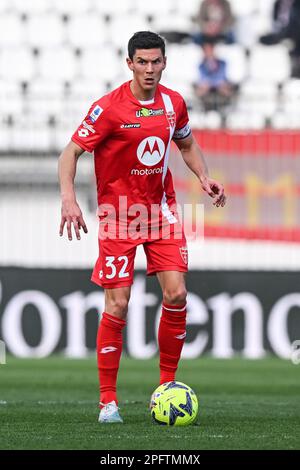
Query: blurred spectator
[
  {"x": 213, "y": 87},
  {"x": 215, "y": 20},
  {"x": 286, "y": 25},
  {"x": 286, "y": 22}
]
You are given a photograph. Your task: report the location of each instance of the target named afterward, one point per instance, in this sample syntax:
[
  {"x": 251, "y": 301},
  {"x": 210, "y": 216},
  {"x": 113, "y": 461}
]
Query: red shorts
[{"x": 115, "y": 264}]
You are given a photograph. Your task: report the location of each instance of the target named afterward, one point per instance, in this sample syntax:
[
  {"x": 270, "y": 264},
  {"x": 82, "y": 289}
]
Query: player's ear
[
  {"x": 129, "y": 63},
  {"x": 165, "y": 63}
]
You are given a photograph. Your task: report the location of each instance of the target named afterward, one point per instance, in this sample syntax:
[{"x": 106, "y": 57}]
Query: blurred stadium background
[{"x": 56, "y": 58}]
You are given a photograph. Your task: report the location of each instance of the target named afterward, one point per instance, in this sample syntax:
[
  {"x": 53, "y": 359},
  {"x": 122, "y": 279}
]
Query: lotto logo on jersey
[
  {"x": 95, "y": 113},
  {"x": 151, "y": 150},
  {"x": 83, "y": 132},
  {"x": 86, "y": 131}
]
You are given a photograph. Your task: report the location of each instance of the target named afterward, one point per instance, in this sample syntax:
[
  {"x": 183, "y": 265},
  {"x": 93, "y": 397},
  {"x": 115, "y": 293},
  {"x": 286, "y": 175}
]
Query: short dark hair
[{"x": 145, "y": 40}]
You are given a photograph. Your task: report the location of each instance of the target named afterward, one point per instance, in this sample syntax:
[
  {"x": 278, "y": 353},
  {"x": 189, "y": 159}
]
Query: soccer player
[{"x": 130, "y": 131}]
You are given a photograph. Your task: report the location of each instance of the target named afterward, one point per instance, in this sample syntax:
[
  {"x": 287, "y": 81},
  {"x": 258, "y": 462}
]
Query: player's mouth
[{"x": 149, "y": 81}]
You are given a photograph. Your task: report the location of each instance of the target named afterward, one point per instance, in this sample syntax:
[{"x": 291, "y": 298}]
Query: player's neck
[{"x": 139, "y": 93}]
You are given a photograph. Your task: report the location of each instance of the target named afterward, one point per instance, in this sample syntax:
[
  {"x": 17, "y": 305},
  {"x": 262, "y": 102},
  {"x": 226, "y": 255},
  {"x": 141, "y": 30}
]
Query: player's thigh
[{"x": 116, "y": 301}]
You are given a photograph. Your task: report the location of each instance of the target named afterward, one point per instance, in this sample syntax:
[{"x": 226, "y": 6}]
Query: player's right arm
[
  {"x": 95, "y": 127},
  {"x": 71, "y": 214}
]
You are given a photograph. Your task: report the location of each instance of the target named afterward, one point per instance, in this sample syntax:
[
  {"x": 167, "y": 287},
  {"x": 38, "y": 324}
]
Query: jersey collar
[{"x": 135, "y": 100}]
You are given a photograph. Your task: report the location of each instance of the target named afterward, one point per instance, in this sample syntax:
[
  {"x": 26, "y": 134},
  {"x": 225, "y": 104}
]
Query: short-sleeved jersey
[{"x": 131, "y": 145}]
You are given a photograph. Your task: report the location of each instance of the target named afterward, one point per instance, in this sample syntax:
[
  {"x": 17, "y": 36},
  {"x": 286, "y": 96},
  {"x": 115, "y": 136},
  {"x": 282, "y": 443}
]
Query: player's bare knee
[
  {"x": 118, "y": 307},
  {"x": 175, "y": 296}
]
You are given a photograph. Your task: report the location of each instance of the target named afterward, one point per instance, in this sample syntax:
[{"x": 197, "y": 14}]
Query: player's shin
[
  {"x": 171, "y": 336},
  {"x": 109, "y": 350}
]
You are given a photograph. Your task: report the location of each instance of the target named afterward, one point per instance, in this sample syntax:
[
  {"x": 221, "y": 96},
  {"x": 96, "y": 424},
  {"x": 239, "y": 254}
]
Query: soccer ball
[{"x": 174, "y": 404}]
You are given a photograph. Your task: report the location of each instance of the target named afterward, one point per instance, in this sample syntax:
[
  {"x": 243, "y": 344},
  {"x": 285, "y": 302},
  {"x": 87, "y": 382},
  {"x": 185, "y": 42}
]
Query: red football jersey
[{"x": 131, "y": 144}]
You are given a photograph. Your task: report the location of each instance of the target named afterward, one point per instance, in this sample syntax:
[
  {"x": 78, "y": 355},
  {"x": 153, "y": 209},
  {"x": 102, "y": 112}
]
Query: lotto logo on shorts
[{"x": 184, "y": 254}]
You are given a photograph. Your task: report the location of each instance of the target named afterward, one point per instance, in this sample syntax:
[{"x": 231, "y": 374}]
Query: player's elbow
[{"x": 71, "y": 151}]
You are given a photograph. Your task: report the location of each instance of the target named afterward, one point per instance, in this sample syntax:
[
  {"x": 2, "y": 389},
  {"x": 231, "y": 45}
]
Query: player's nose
[{"x": 149, "y": 68}]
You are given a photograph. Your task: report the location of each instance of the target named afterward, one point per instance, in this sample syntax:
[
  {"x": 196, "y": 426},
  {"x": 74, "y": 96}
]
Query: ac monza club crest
[
  {"x": 151, "y": 150},
  {"x": 184, "y": 254},
  {"x": 171, "y": 116}
]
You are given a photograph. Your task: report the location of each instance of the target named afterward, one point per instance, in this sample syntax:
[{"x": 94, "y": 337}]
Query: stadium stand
[{"x": 48, "y": 69}]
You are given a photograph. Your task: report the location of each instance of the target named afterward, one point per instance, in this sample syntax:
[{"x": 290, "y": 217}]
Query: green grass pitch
[{"x": 52, "y": 404}]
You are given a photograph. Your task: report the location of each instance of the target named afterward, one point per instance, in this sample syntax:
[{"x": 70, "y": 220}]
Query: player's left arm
[{"x": 194, "y": 159}]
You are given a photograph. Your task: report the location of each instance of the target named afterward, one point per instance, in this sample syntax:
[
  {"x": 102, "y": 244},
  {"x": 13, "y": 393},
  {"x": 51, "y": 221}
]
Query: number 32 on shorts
[{"x": 110, "y": 260}]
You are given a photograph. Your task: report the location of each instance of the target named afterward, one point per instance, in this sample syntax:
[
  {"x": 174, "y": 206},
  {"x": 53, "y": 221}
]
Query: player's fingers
[
  {"x": 83, "y": 225},
  {"x": 79, "y": 226},
  {"x": 69, "y": 228},
  {"x": 208, "y": 190},
  {"x": 220, "y": 201},
  {"x": 218, "y": 189},
  {"x": 76, "y": 227},
  {"x": 223, "y": 201},
  {"x": 61, "y": 227}
]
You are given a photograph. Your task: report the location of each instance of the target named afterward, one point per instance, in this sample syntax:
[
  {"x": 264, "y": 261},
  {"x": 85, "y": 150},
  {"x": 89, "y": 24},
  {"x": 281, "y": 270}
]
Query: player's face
[{"x": 147, "y": 66}]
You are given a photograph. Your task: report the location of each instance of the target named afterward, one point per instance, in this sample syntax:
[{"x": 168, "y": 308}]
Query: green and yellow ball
[{"x": 174, "y": 404}]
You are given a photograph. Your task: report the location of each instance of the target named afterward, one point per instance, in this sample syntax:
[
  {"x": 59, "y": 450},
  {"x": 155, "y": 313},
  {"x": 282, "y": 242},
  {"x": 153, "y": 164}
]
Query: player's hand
[
  {"x": 72, "y": 216},
  {"x": 215, "y": 190}
]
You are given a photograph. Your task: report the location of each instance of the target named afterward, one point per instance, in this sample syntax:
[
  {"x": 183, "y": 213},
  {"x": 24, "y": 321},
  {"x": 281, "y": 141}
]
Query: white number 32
[{"x": 110, "y": 264}]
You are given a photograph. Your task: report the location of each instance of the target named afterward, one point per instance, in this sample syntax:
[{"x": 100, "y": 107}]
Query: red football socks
[
  {"x": 171, "y": 336},
  {"x": 109, "y": 349}
]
